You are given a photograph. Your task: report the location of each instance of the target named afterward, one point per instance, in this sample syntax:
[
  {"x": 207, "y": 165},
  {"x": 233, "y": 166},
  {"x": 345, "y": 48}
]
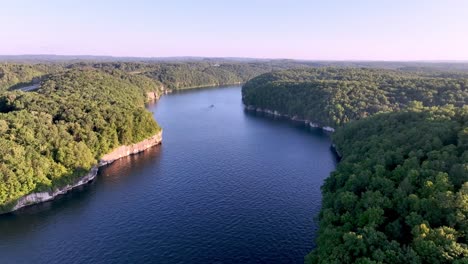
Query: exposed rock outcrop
[
  {"x": 294, "y": 118},
  {"x": 120, "y": 152},
  {"x": 152, "y": 96},
  {"x": 35, "y": 198},
  {"x": 124, "y": 151}
]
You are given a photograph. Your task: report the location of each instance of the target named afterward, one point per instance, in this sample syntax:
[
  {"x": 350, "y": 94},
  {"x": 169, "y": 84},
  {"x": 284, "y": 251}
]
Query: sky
[{"x": 294, "y": 29}]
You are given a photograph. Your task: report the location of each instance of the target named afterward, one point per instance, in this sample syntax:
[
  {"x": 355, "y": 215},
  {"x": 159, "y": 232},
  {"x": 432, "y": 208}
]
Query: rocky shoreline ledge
[
  {"x": 293, "y": 118},
  {"x": 120, "y": 152},
  {"x": 333, "y": 147}
]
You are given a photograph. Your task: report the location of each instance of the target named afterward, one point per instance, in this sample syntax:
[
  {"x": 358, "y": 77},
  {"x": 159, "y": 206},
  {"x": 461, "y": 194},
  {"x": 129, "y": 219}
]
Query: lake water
[{"x": 225, "y": 186}]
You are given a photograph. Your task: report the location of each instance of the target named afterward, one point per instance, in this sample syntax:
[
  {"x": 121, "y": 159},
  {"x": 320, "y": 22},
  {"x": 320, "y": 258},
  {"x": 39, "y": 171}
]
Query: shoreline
[
  {"x": 252, "y": 108},
  {"x": 203, "y": 86},
  {"x": 118, "y": 153},
  {"x": 275, "y": 113}
]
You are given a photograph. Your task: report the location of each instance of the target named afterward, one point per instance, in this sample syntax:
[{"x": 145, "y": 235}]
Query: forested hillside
[
  {"x": 182, "y": 75},
  {"x": 13, "y": 75},
  {"x": 335, "y": 96},
  {"x": 54, "y": 135},
  {"x": 400, "y": 193},
  {"x": 173, "y": 75}
]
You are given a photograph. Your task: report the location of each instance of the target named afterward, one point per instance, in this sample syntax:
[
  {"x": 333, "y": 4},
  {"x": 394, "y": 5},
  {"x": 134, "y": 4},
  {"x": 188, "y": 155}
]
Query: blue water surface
[{"x": 226, "y": 186}]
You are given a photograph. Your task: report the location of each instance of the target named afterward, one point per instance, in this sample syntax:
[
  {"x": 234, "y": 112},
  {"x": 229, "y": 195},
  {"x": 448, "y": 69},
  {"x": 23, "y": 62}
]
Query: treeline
[
  {"x": 52, "y": 136},
  {"x": 182, "y": 75},
  {"x": 17, "y": 75},
  {"x": 335, "y": 96},
  {"x": 173, "y": 75},
  {"x": 400, "y": 193}
]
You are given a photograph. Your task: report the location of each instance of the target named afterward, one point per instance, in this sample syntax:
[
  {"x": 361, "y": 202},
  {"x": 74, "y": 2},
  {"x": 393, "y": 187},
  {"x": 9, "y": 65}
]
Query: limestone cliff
[
  {"x": 294, "y": 118},
  {"x": 152, "y": 96},
  {"x": 40, "y": 197},
  {"x": 123, "y": 151},
  {"x": 120, "y": 152}
]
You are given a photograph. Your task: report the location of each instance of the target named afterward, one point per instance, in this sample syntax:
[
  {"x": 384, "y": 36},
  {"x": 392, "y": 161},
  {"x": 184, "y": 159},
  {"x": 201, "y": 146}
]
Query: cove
[{"x": 226, "y": 186}]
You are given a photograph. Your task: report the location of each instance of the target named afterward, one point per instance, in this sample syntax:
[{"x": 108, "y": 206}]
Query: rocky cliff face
[
  {"x": 120, "y": 152},
  {"x": 152, "y": 96},
  {"x": 35, "y": 198},
  {"x": 123, "y": 151},
  {"x": 294, "y": 118}
]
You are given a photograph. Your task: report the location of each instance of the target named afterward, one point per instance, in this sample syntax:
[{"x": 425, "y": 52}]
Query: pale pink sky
[{"x": 302, "y": 29}]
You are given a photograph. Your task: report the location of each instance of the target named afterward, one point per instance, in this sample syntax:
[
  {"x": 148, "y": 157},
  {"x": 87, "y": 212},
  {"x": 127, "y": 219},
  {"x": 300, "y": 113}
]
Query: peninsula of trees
[
  {"x": 400, "y": 192},
  {"x": 52, "y": 136},
  {"x": 335, "y": 96}
]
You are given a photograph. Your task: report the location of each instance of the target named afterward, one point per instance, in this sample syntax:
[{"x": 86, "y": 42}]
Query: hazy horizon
[
  {"x": 303, "y": 30},
  {"x": 224, "y": 57}
]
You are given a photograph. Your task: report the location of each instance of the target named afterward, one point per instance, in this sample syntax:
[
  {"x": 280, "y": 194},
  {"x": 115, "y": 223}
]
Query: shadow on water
[
  {"x": 284, "y": 121},
  {"x": 131, "y": 167},
  {"x": 120, "y": 172},
  {"x": 201, "y": 89},
  {"x": 317, "y": 132}
]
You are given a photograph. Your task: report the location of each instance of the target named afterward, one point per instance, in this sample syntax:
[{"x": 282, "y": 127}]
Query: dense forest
[
  {"x": 334, "y": 96},
  {"x": 13, "y": 76},
  {"x": 56, "y": 134},
  {"x": 173, "y": 75},
  {"x": 183, "y": 75},
  {"x": 400, "y": 192}
]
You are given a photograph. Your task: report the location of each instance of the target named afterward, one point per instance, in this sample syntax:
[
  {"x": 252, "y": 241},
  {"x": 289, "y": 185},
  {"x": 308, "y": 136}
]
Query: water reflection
[
  {"x": 130, "y": 167},
  {"x": 281, "y": 121},
  {"x": 30, "y": 219}
]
